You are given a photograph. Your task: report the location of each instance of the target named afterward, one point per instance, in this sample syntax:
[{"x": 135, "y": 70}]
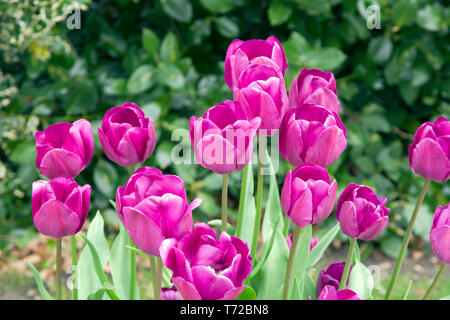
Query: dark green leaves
[
  {"x": 180, "y": 10},
  {"x": 141, "y": 79}
]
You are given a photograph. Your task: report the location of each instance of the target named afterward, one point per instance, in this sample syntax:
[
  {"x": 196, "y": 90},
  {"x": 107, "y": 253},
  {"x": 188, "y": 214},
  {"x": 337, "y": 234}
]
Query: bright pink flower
[
  {"x": 170, "y": 294},
  {"x": 59, "y": 207},
  {"x": 64, "y": 149},
  {"x": 361, "y": 213},
  {"x": 331, "y": 293},
  {"x": 429, "y": 154},
  {"x": 205, "y": 268},
  {"x": 440, "y": 233},
  {"x": 126, "y": 135},
  {"x": 223, "y": 139},
  {"x": 241, "y": 54},
  {"x": 316, "y": 87},
  {"x": 308, "y": 195},
  {"x": 311, "y": 133},
  {"x": 331, "y": 276},
  {"x": 153, "y": 207},
  {"x": 312, "y": 242}
]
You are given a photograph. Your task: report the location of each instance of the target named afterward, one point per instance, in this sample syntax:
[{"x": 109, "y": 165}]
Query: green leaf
[
  {"x": 430, "y": 17},
  {"x": 180, "y": 10},
  {"x": 247, "y": 294},
  {"x": 391, "y": 246},
  {"x": 404, "y": 12},
  {"x": 322, "y": 245},
  {"x": 170, "y": 75},
  {"x": 105, "y": 177},
  {"x": 217, "y": 223},
  {"x": 81, "y": 97},
  {"x": 37, "y": 277},
  {"x": 227, "y": 27},
  {"x": 141, "y": 79},
  {"x": 301, "y": 257},
  {"x": 408, "y": 288},
  {"x": 309, "y": 289},
  {"x": 380, "y": 49},
  {"x": 314, "y": 7},
  {"x": 24, "y": 153},
  {"x": 278, "y": 12},
  {"x": 199, "y": 30},
  {"x": 361, "y": 280},
  {"x": 169, "y": 50},
  {"x": 245, "y": 229},
  {"x": 217, "y": 6},
  {"x": 163, "y": 154},
  {"x": 150, "y": 42}
]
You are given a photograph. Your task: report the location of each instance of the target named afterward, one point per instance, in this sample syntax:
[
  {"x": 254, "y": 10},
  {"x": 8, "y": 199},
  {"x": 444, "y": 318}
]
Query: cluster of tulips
[{"x": 153, "y": 206}]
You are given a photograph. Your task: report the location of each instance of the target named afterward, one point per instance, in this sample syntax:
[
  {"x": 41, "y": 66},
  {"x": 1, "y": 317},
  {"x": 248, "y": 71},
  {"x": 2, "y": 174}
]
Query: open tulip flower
[
  {"x": 127, "y": 136},
  {"x": 440, "y": 234},
  {"x": 205, "y": 268},
  {"x": 64, "y": 149},
  {"x": 331, "y": 293},
  {"x": 153, "y": 207}
]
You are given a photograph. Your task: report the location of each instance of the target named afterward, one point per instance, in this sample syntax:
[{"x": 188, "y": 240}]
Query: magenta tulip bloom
[
  {"x": 310, "y": 133},
  {"x": 170, "y": 294},
  {"x": 262, "y": 93},
  {"x": 308, "y": 195},
  {"x": 64, "y": 149},
  {"x": 205, "y": 268},
  {"x": 312, "y": 242},
  {"x": 331, "y": 293},
  {"x": 429, "y": 154},
  {"x": 315, "y": 87},
  {"x": 331, "y": 276},
  {"x": 440, "y": 233},
  {"x": 361, "y": 213},
  {"x": 153, "y": 207},
  {"x": 126, "y": 135},
  {"x": 241, "y": 54},
  {"x": 59, "y": 207},
  {"x": 223, "y": 139}
]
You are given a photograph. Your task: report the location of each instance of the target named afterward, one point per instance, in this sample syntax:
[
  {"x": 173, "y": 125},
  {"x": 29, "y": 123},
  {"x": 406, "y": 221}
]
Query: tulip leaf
[
  {"x": 295, "y": 289},
  {"x": 247, "y": 208},
  {"x": 361, "y": 280},
  {"x": 408, "y": 288},
  {"x": 322, "y": 245},
  {"x": 301, "y": 257},
  {"x": 309, "y": 289},
  {"x": 217, "y": 223},
  {"x": 37, "y": 277},
  {"x": 247, "y": 294},
  {"x": 138, "y": 251}
]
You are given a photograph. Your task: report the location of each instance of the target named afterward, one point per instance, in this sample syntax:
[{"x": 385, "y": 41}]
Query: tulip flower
[
  {"x": 205, "y": 268},
  {"x": 312, "y": 242},
  {"x": 308, "y": 195},
  {"x": 331, "y": 293},
  {"x": 59, "y": 207},
  {"x": 311, "y": 133},
  {"x": 440, "y": 233},
  {"x": 126, "y": 135},
  {"x": 331, "y": 276},
  {"x": 241, "y": 54},
  {"x": 429, "y": 154},
  {"x": 64, "y": 149},
  {"x": 153, "y": 207},
  {"x": 315, "y": 87},
  {"x": 170, "y": 294}
]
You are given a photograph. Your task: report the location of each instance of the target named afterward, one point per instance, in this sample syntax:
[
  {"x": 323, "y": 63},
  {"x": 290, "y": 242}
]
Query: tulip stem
[
  {"x": 348, "y": 264},
  {"x": 132, "y": 169},
  {"x": 242, "y": 200},
  {"x": 73, "y": 245},
  {"x": 436, "y": 279},
  {"x": 224, "y": 201},
  {"x": 132, "y": 270},
  {"x": 406, "y": 237},
  {"x": 259, "y": 195},
  {"x": 153, "y": 271},
  {"x": 290, "y": 265},
  {"x": 159, "y": 270},
  {"x": 58, "y": 268}
]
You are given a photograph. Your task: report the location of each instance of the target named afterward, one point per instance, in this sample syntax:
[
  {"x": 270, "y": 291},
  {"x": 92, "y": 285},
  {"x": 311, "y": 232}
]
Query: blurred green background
[{"x": 168, "y": 57}]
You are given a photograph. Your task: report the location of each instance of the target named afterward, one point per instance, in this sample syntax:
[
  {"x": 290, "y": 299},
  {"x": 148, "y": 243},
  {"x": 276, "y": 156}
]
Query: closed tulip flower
[
  {"x": 64, "y": 149},
  {"x": 223, "y": 139},
  {"x": 205, "y": 268},
  {"x": 440, "y": 234},
  {"x": 331, "y": 293},
  {"x": 361, "y": 213},
  {"x": 308, "y": 195},
  {"x": 126, "y": 135},
  {"x": 311, "y": 133},
  {"x": 429, "y": 154},
  {"x": 241, "y": 54},
  {"x": 316, "y": 87},
  {"x": 59, "y": 207},
  {"x": 153, "y": 207},
  {"x": 331, "y": 276}
]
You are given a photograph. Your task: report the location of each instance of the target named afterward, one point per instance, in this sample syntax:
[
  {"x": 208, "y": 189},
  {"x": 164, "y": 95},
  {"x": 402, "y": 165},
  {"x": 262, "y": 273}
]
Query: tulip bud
[
  {"x": 429, "y": 154},
  {"x": 331, "y": 293},
  {"x": 361, "y": 213},
  {"x": 127, "y": 137},
  {"x": 308, "y": 195},
  {"x": 331, "y": 276},
  {"x": 440, "y": 233},
  {"x": 59, "y": 207},
  {"x": 64, "y": 149},
  {"x": 310, "y": 133}
]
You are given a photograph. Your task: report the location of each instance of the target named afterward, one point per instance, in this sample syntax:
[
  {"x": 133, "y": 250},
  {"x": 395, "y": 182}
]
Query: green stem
[
  {"x": 287, "y": 223},
  {"x": 224, "y": 201},
  {"x": 406, "y": 237},
  {"x": 132, "y": 271},
  {"x": 159, "y": 270},
  {"x": 242, "y": 201},
  {"x": 436, "y": 279},
  {"x": 348, "y": 264},
  {"x": 73, "y": 245},
  {"x": 58, "y": 268},
  {"x": 132, "y": 169},
  {"x": 259, "y": 195},
  {"x": 153, "y": 271},
  {"x": 290, "y": 265}
]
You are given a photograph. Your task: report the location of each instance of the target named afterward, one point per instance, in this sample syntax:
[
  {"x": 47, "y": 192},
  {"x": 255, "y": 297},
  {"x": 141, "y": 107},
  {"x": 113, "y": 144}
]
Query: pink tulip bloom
[
  {"x": 331, "y": 276},
  {"x": 205, "y": 268},
  {"x": 308, "y": 195},
  {"x": 361, "y": 213},
  {"x": 223, "y": 139},
  {"x": 429, "y": 154},
  {"x": 59, "y": 207},
  {"x": 126, "y": 135},
  {"x": 440, "y": 233},
  {"x": 331, "y": 293},
  {"x": 312, "y": 242},
  {"x": 153, "y": 207},
  {"x": 64, "y": 149},
  {"x": 170, "y": 294},
  {"x": 311, "y": 133},
  {"x": 241, "y": 54},
  {"x": 262, "y": 93},
  {"x": 315, "y": 87}
]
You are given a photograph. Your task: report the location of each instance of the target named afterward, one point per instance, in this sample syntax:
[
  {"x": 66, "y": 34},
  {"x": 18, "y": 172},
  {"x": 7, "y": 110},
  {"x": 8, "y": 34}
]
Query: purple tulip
[
  {"x": 205, "y": 268},
  {"x": 59, "y": 207},
  {"x": 262, "y": 93},
  {"x": 223, "y": 139},
  {"x": 361, "y": 213},
  {"x": 331, "y": 293},
  {"x": 308, "y": 195},
  {"x": 170, "y": 294},
  {"x": 241, "y": 54},
  {"x": 311, "y": 133},
  {"x": 331, "y": 276},
  {"x": 153, "y": 207},
  {"x": 429, "y": 154},
  {"x": 64, "y": 149},
  {"x": 312, "y": 242},
  {"x": 440, "y": 233},
  {"x": 126, "y": 135},
  {"x": 315, "y": 87}
]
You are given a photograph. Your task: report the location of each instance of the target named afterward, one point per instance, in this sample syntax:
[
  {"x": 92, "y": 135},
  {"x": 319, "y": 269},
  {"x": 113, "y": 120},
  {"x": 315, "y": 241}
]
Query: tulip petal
[
  {"x": 430, "y": 161},
  {"x": 209, "y": 285},
  {"x": 440, "y": 243},
  {"x": 60, "y": 162},
  {"x": 348, "y": 219}
]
